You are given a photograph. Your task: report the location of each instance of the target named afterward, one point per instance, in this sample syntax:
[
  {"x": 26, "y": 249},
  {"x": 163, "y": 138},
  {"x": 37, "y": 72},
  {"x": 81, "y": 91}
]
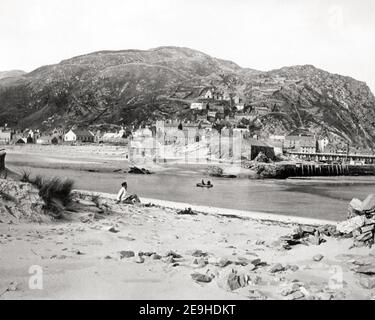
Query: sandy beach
[{"x": 152, "y": 252}]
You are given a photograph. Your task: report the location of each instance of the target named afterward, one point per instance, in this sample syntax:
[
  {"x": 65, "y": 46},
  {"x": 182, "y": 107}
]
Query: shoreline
[
  {"x": 103, "y": 250},
  {"x": 240, "y": 214}
]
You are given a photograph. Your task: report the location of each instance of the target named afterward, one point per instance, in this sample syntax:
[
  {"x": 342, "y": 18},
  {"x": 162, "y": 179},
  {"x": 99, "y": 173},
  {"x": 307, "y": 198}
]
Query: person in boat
[
  {"x": 203, "y": 182},
  {"x": 208, "y": 182},
  {"x": 124, "y": 197}
]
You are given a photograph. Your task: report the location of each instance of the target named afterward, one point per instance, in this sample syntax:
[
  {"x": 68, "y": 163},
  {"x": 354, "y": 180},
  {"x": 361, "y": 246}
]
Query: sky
[{"x": 334, "y": 35}]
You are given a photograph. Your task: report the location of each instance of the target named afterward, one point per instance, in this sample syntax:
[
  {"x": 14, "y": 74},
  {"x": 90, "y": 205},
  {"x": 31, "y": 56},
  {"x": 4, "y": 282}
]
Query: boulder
[
  {"x": 367, "y": 282},
  {"x": 126, "y": 254},
  {"x": 289, "y": 289},
  {"x": 139, "y": 259},
  {"x": 368, "y": 205},
  {"x": 200, "y": 262},
  {"x": 155, "y": 256},
  {"x": 365, "y": 236},
  {"x": 233, "y": 279},
  {"x": 350, "y": 225},
  {"x": 199, "y": 253},
  {"x": 354, "y": 208},
  {"x": 366, "y": 269},
  {"x": 296, "y": 296},
  {"x": 368, "y": 228},
  {"x": 199, "y": 277},
  {"x": 173, "y": 254},
  {"x": 277, "y": 268},
  {"x": 308, "y": 229},
  {"x": 318, "y": 257},
  {"x": 113, "y": 229}
]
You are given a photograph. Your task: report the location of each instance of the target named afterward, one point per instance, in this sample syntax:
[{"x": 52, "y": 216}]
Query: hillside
[
  {"x": 133, "y": 86},
  {"x": 11, "y": 74}
]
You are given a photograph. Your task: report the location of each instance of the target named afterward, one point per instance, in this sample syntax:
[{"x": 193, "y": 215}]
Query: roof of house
[{"x": 83, "y": 133}]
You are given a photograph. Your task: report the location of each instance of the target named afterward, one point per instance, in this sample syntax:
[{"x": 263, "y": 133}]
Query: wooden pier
[{"x": 310, "y": 170}]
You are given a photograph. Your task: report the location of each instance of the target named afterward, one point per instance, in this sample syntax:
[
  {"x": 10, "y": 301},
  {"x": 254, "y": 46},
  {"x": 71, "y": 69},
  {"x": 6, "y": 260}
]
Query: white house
[
  {"x": 323, "y": 143},
  {"x": 70, "y": 136},
  {"x": 142, "y": 133},
  {"x": 208, "y": 94},
  {"x": 240, "y": 106},
  {"x": 276, "y": 137},
  {"x": 197, "y": 106},
  {"x": 5, "y": 137}
]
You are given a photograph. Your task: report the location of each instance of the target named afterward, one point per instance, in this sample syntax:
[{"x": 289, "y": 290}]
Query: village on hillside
[{"x": 218, "y": 121}]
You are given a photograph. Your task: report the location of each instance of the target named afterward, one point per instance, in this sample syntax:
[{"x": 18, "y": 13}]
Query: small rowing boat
[{"x": 200, "y": 185}]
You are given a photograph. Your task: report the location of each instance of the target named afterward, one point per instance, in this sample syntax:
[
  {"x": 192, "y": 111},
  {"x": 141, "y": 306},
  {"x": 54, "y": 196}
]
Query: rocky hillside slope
[{"x": 133, "y": 86}]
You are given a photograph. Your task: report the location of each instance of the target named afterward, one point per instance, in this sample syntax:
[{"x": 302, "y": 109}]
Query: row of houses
[
  {"x": 214, "y": 112},
  {"x": 58, "y": 136}
]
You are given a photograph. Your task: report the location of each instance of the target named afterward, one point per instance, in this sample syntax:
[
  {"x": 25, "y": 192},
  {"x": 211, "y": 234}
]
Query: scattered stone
[
  {"x": 256, "y": 295},
  {"x": 169, "y": 259},
  {"x": 199, "y": 253},
  {"x": 308, "y": 229},
  {"x": 290, "y": 289},
  {"x": 155, "y": 256},
  {"x": 128, "y": 238},
  {"x": 367, "y": 228},
  {"x": 354, "y": 208},
  {"x": 350, "y": 225},
  {"x": 113, "y": 229},
  {"x": 242, "y": 261},
  {"x": 367, "y": 282},
  {"x": 292, "y": 267},
  {"x": 199, "y": 277},
  {"x": 368, "y": 205},
  {"x": 173, "y": 254},
  {"x": 201, "y": 262},
  {"x": 369, "y": 269},
  {"x": 147, "y": 253},
  {"x": 318, "y": 257},
  {"x": 296, "y": 295},
  {"x": 187, "y": 211},
  {"x": 364, "y": 236},
  {"x": 127, "y": 254},
  {"x": 254, "y": 279},
  {"x": 257, "y": 262},
  {"x": 235, "y": 282},
  {"x": 139, "y": 259},
  {"x": 223, "y": 262},
  {"x": 276, "y": 268}
]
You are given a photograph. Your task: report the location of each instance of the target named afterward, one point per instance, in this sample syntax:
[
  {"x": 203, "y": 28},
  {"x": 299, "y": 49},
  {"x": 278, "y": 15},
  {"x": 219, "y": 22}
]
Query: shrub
[
  {"x": 55, "y": 192},
  {"x": 215, "y": 171},
  {"x": 25, "y": 176}
]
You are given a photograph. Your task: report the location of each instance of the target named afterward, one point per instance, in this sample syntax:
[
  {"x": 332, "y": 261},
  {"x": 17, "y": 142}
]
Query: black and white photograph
[{"x": 187, "y": 150}]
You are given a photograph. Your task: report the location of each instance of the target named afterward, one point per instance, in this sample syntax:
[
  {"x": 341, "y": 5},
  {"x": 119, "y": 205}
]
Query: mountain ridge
[{"x": 135, "y": 86}]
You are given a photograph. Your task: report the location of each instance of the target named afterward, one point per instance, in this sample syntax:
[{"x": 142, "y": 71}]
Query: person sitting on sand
[{"x": 124, "y": 197}]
